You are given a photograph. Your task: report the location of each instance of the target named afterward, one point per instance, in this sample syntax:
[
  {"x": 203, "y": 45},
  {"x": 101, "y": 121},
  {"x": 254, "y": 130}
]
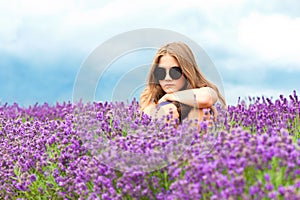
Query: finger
[
  {"x": 161, "y": 100},
  {"x": 215, "y": 112}
]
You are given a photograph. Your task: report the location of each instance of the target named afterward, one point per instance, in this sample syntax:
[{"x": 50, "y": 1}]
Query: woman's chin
[{"x": 169, "y": 91}]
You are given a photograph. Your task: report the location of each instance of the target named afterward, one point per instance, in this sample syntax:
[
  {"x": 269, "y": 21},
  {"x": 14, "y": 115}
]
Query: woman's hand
[
  {"x": 167, "y": 97},
  {"x": 215, "y": 112}
]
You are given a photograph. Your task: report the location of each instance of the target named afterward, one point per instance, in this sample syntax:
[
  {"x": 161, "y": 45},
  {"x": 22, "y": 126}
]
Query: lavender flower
[{"x": 113, "y": 151}]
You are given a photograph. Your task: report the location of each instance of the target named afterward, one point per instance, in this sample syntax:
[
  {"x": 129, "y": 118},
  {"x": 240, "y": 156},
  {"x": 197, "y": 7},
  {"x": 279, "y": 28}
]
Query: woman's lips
[{"x": 169, "y": 85}]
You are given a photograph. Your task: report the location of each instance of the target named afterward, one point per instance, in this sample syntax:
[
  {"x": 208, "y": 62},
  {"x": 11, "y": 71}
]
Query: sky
[{"x": 254, "y": 45}]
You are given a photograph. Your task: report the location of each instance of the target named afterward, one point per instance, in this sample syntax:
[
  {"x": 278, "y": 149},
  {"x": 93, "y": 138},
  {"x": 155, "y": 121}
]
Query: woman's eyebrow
[{"x": 162, "y": 66}]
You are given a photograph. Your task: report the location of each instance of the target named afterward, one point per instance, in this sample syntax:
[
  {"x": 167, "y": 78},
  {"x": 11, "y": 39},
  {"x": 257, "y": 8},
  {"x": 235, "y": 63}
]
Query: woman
[{"x": 176, "y": 84}]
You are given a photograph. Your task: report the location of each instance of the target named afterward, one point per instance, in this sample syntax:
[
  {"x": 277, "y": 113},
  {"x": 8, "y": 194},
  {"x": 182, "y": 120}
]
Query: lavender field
[{"x": 112, "y": 151}]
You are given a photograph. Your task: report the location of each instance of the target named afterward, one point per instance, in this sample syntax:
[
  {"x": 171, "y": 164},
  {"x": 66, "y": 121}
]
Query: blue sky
[{"x": 253, "y": 44}]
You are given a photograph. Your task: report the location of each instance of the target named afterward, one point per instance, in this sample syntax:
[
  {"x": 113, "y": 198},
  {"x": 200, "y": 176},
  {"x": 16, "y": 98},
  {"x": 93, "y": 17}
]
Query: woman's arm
[{"x": 203, "y": 97}]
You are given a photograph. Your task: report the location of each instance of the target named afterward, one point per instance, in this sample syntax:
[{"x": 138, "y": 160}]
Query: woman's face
[{"x": 168, "y": 84}]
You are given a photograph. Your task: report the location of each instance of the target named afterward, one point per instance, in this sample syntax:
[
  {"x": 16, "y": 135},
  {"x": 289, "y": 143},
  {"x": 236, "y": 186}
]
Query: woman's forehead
[{"x": 167, "y": 61}]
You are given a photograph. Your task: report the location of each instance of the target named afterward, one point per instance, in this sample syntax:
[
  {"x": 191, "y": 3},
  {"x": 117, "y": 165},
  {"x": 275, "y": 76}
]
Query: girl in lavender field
[{"x": 176, "y": 84}]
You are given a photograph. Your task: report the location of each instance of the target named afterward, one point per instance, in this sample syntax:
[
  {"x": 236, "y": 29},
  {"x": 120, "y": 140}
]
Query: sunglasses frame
[{"x": 170, "y": 71}]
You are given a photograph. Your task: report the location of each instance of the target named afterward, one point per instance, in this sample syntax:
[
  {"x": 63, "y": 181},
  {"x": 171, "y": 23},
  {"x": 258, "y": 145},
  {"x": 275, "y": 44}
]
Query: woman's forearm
[{"x": 200, "y": 97}]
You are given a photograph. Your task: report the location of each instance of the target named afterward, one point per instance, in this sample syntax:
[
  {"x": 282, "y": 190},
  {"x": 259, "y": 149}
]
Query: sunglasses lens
[
  {"x": 160, "y": 73},
  {"x": 175, "y": 73}
]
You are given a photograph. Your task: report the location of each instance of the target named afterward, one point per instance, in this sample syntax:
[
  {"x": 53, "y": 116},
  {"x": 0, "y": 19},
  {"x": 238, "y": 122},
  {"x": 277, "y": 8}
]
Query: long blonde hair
[{"x": 195, "y": 79}]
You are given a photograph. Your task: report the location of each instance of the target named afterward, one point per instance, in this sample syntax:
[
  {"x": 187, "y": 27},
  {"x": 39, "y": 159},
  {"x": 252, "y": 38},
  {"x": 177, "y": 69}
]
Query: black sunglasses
[{"x": 174, "y": 72}]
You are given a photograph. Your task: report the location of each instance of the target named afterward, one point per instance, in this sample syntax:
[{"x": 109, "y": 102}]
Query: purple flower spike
[{"x": 111, "y": 150}]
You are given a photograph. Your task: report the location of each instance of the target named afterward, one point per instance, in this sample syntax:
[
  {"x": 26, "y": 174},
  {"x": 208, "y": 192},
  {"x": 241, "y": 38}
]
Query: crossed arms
[{"x": 198, "y": 98}]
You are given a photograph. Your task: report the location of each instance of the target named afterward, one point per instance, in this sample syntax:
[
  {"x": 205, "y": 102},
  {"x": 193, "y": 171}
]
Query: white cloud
[
  {"x": 54, "y": 27},
  {"x": 238, "y": 33},
  {"x": 273, "y": 38}
]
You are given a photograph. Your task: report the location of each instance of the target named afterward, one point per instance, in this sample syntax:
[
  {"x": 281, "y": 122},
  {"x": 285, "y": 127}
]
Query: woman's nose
[{"x": 168, "y": 77}]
